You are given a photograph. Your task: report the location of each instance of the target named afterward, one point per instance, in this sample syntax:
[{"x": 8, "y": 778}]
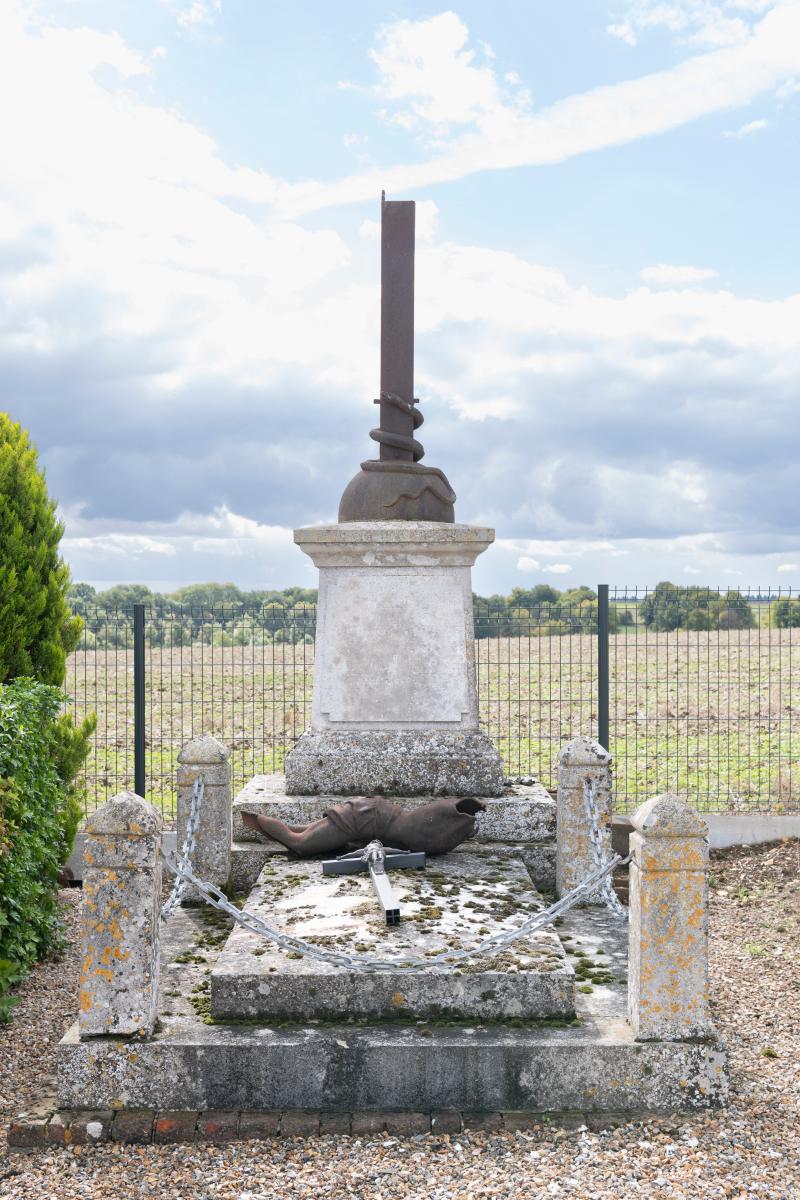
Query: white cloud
[
  {"x": 557, "y": 569},
  {"x": 666, "y": 275},
  {"x": 172, "y": 351},
  {"x": 121, "y": 545},
  {"x": 482, "y": 127},
  {"x": 788, "y": 568},
  {"x": 692, "y": 571},
  {"x": 745, "y": 130},
  {"x": 429, "y": 70},
  {"x": 193, "y": 13},
  {"x": 527, "y": 564},
  {"x": 696, "y": 22}
]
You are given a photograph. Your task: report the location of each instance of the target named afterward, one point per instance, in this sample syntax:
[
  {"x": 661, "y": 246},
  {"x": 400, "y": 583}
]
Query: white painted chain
[
  {"x": 187, "y": 849},
  {"x": 606, "y": 889}
]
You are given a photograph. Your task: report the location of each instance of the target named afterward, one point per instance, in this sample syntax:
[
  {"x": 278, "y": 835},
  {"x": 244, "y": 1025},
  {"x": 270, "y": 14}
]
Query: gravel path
[{"x": 750, "y": 1150}]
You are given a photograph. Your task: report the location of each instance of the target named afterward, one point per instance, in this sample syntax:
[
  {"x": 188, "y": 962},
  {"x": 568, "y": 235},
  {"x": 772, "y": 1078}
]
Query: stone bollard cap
[
  {"x": 583, "y": 752},
  {"x": 126, "y": 814},
  {"x": 204, "y": 749},
  {"x": 668, "y": 816}
]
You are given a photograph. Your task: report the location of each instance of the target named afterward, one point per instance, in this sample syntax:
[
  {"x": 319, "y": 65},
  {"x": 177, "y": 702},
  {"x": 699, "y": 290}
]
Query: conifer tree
[{"x": 37, "y": 629}]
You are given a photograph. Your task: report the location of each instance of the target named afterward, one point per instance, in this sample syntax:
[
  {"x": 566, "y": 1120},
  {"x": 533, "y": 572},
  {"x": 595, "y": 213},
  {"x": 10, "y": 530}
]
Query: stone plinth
[
  {"x": 120, "y": 918},
  {"x": 668, "y": 938},
  {"x": 395, "y": 707},
  {"x": 206, "y": 758},
  {"x": 582, "y": 760},
  {"x": 453, "y": 904}
]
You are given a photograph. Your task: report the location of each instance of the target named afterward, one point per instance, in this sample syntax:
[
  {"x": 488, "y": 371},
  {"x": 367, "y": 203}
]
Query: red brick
[
  {"x": 299, "y": 1124},
  {"x": 405, "y": 1124},
  {"x": 259, "y": 1124},
  {"x": 334, "y": 1122},
  {"x": 446, "y": 1121},
  {"x": 78, "y": 1128},
  {"x": 175, "y": 1126},
  {"x": 362, "y": 1123},
  {"x": 58, "y": 1128},
  {"x": 133, "y": 1126},
  {"x": 219, "y": 1125},
  {"x": 27, "y": 1133},
  {"x": 522, "y": 1120},
  {"x": 487, "y": 1120}
]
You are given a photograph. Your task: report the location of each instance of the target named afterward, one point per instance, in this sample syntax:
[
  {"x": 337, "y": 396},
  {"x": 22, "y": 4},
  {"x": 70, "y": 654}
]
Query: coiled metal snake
[{"x": 400, "y": 441}]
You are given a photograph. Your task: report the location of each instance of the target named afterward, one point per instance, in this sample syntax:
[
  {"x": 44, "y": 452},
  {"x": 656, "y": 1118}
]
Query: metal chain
[
  {"x": 363, "y": 962},
  {"x": 187, "y": 849},
  {"x": 598, "y": 880},
  {"x": 606, "y": 889}
]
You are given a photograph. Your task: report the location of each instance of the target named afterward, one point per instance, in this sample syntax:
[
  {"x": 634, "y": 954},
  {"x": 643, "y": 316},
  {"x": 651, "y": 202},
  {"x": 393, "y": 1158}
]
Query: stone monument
[
  {"x": 395, "y": 707},
  {"x": 307, "y": 1009}
]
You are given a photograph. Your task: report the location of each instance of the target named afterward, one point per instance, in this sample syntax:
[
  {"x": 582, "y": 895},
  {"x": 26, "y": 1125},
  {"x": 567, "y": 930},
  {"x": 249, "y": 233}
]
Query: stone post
[
  {"x": 668, "y": 934},
  {"x": 205, "y": 756},
  {"x": 119, "y": 919},
  {"x": 580, "y": 760}
]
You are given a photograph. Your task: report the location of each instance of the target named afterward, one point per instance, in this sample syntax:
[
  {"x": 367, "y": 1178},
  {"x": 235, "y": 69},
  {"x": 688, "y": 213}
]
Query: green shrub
[
  {"x": 37, "y": 628},
  {"x": 37, "y": 819}
]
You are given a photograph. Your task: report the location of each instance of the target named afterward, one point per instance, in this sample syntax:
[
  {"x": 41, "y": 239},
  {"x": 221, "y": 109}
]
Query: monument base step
[
  {"x": 453, "y": 904},
  {"x": 590, "y": 1065}
]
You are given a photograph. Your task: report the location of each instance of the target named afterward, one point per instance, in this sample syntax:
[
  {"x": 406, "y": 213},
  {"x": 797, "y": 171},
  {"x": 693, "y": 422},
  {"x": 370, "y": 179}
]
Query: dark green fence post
[
  {"x": 602, "y": 665},
  {"x": 138, "y": 700}
]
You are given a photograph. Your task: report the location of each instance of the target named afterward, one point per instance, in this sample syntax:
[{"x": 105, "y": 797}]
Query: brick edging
[{"x": 45, "y": 1127}]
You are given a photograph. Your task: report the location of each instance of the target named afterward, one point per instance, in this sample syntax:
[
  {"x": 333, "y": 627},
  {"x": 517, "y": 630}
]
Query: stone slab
[
  {"x": 394, "y": 762},
  {"x": 248, "y": 859},
  {"x": 523, "y": 813},
  {"x": 453, "y": 904},
  {"x": 595, "y": 1067}
]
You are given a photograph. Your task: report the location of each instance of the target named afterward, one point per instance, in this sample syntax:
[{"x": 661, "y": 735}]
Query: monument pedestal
[{"x": 395, "y": 708}]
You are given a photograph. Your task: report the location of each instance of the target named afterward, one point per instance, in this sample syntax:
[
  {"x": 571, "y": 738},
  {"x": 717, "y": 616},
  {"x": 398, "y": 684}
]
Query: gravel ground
[{"x": 751, "y": 1149}]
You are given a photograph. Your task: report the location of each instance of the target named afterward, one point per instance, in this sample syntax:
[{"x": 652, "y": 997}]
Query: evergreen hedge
[{"x": 36, "y": 828}]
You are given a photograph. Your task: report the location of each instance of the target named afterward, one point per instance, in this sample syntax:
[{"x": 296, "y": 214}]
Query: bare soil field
[{"x": 713, "y": 716}]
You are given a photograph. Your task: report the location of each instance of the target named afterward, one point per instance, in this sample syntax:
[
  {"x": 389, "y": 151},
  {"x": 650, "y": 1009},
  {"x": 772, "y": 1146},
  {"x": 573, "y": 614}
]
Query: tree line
[{"x": 223, "y": 614}]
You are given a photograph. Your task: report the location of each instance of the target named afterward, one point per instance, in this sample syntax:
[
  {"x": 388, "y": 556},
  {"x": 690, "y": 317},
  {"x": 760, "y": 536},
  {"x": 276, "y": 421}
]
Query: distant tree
[
  {"x": 784, "y": 614},
  {"x": 536, "y": 597},
  {"x": 670, "y": 606},
  {"x": 80, "y": 596},
  {"x": 122, "y": 595},
  {"x": 205, "y": 595}
]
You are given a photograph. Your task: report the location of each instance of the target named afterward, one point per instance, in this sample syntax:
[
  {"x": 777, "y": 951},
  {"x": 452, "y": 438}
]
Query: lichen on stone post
[
  {"x": 204, "y": 757},
  {"x": 668, "y": 930},
  {"x": 120, "y": 907},
  {"x": 581, "y": 760}
]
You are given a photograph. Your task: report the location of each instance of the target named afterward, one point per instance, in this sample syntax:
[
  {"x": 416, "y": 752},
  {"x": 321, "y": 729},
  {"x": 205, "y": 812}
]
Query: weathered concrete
[
  {"x": 394, "y": 654},
  {"x": 120, "y": 919},
  {"x": 248, "y": 859},
  {"x": 453, "y": 904},
  {"x": 394, "y": 762},
  {"x": 191, "y": 1062},
  {"x": 581, "y": 760},
  {"x": 204, "y": 757},
  {"x": 594, "y": 1067},
  {"x": 668, "y": 972}
]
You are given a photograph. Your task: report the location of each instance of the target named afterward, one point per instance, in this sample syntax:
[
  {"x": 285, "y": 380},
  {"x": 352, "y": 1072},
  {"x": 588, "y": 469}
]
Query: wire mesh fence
[{"x": 694, "y": 690}]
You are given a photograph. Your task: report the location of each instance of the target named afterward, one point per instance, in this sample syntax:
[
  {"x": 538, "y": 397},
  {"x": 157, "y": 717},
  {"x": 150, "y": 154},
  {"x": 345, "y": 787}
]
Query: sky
[{"x": 607, "y": 295}]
